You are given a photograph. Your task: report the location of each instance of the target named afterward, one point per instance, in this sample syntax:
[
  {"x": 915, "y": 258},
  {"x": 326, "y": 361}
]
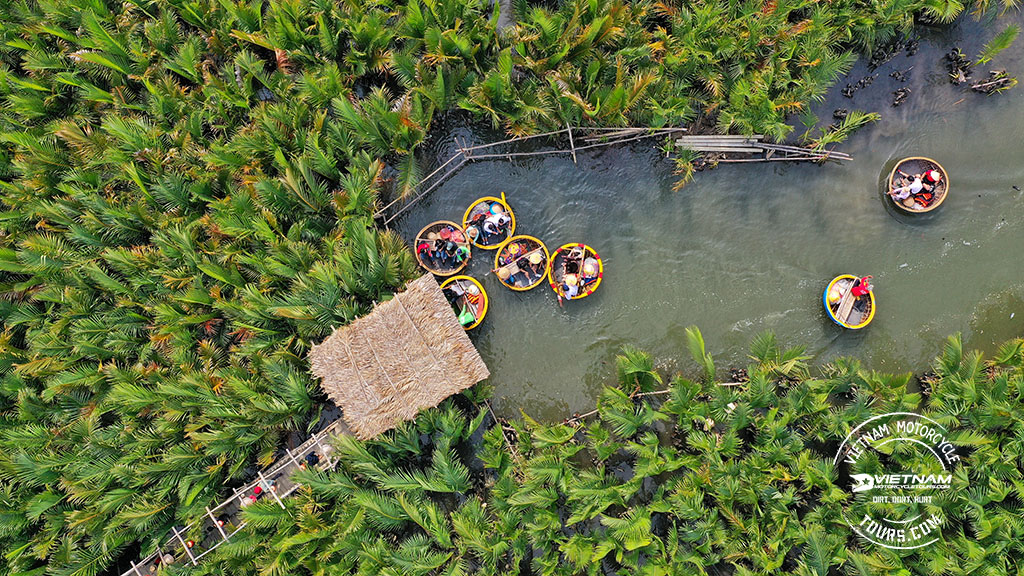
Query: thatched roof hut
[{"x": 410, "y": 353}]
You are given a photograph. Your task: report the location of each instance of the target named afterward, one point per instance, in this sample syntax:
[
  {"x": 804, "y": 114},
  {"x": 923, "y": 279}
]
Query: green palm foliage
[
  {"x": 184, "y": 218},
  {"x": 700, "y": 480},
  {"x": 999, "y": 42}
]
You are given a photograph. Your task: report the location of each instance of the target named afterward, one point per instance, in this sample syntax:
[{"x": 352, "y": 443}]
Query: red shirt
[{"x": 862, "y": 288}]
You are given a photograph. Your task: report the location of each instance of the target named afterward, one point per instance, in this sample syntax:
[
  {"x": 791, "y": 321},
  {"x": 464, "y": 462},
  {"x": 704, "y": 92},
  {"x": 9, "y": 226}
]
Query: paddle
[
  {"x": 463, "y": 302},
  {"x": 466, "y": 299},
  {"x": 901, "y": 173},
  {"x": 558, "y": 289},
  {"x": 892, "y": 192},
  {"x": 516, "y": 262},
  {"x": 846, "y": 304}
]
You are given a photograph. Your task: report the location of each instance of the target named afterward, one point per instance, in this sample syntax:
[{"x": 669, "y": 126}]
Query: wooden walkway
[
  {"x": 756, "y": 146},
  {"x": 191, "y": 543}
]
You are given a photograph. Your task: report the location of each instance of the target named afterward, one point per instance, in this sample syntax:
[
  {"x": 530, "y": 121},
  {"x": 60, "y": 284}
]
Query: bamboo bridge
[
  {"x": 374, "y": 396},
  {"x": 192, "y": 542}
]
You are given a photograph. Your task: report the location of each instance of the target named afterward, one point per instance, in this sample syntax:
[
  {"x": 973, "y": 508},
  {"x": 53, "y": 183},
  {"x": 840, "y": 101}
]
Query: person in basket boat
[
  {"x": 921, "y": 187},
  {"x": 570, "y": 286},
  {"x": 861, "y": 287}
]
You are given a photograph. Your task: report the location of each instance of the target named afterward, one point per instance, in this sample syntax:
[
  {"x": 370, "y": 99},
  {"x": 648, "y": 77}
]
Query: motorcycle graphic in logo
[{"x": 864, "y": 482}]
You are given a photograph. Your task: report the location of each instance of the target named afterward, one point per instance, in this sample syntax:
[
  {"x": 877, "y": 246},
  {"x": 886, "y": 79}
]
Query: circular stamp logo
[{"x": 900, "y": 468}]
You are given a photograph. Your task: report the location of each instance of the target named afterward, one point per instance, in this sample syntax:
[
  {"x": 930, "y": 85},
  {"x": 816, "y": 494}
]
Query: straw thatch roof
[{"x": 410, "y": 353}]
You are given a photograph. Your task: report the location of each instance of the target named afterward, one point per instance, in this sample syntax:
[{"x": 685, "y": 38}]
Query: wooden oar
[
  {"x": 846, "y": 304},
  {"x": 558, "y": 290},
  {"x": 465, "y": 298},
  {"x": 516, "y": 261}
]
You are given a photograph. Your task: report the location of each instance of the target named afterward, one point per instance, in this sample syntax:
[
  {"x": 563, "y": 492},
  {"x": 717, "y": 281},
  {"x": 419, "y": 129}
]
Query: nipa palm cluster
[{"x": 669, "y": 477}]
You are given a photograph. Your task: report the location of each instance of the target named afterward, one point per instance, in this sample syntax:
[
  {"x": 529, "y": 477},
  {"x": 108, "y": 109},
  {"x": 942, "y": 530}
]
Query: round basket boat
[
  {"x": 442, "y": 248},
  {"x": 843, "y": 307},
  {"x": 903, "y": 174},
  {"x": 579, "y": 262},
  {"x": 479, "y": 212},
  {"x": 522, "y": 263},
  {"x": 468, "y": 299}
]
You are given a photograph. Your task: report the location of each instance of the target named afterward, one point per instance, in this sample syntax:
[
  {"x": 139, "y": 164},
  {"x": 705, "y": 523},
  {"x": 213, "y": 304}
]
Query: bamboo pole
[
  {"x": 815, "y": 153},
  {"x": 327, "y": 456},
  {"x": 143, "y": 562},
  {"x": 619, "y": 133},
  {"x": 185, "y": 546},
  {"x": 724, "y": 149},
  {"x": 613, "y": 129},
  {"x": 784, "y": 148},
  {"x": 559, "y": 151},
  {"x": 380, "y": 212},
  {"x": 614, "y": 137},
  {"x": 580, "y": 417},
  {"x": 511, "y": 140},
  {"x": 614, "y": 132},
  {"x": 427, "y": 191},
  {"x": 241, "y": 525},
  {"x": 741, "y": 160},
  {"x": 717, "y": 139},
  {"x": 983, "y": 85},
  {"x": 220, "y": 528},
  {"x": 572, "y": 145},
  {"x": 270, "y": 489},
  {"x": 292, "y": 456}
]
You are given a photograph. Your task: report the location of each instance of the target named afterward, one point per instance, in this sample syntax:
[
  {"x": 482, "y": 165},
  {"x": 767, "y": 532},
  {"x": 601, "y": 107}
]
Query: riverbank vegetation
[
  {"x": 186, "y": 191},
  {"x": 705, "y": 478}
]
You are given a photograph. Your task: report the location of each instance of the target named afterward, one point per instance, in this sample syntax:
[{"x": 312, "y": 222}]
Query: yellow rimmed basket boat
[
  {"x": 468, "y": 299},
  {"x": 843, "y": 307},
  {"x": 476, "y": 215},
  {"x": 579, "y": 262},
  {"x": 902, "y": 175},
  {"x": 522, "y": 263},
  {"x": 442, "y": 248}
]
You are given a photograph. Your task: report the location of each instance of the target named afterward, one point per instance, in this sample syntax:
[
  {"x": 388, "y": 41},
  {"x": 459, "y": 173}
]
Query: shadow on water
[{"x": 748, "y": 248}]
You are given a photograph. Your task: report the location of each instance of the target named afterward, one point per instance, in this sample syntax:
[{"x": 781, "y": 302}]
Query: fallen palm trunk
[{"x": 997, "y": 81}]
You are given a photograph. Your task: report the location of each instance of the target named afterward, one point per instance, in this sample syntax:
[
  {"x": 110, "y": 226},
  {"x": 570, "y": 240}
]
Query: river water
[{"x": 749, "y": 247}]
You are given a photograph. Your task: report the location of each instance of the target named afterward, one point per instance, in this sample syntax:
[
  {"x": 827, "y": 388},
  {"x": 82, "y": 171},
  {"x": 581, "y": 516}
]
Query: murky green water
[{"x": 747, "y": 248}]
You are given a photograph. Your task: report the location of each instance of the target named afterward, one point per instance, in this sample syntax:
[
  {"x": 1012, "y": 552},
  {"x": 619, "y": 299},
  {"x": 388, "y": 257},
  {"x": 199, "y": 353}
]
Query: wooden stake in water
[{"x": 572, "y": 145}]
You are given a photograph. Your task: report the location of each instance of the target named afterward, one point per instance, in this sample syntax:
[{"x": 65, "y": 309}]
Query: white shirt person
[{"x": 904, "y": 192}]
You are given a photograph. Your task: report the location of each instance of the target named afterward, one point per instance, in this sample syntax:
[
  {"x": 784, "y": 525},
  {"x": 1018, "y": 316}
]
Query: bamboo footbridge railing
[
  {"x": 194, "y": 541},
  {"x": 724, "y": 148}
]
